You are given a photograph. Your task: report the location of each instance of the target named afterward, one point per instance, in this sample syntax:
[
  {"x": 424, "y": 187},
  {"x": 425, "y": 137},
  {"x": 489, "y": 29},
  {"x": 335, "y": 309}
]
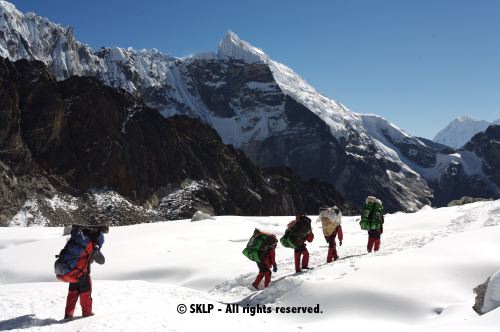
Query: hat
[{"x": 98, "y": 221}]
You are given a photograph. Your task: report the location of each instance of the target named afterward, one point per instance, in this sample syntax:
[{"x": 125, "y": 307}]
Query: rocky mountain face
[
  {"x": 458, "y": 132},
  {"x": 473, "y": 170},
  {"x": 254, "y": 103},
  {"x": 67, "y": 145},
  {"x": 307, "y": 196},
  {"x": 257, "y": 105},
  {"x": 487, "y": 146}
]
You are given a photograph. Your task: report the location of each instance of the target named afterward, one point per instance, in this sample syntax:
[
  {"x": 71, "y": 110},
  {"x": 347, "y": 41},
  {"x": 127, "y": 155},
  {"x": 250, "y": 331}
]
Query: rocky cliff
[{"x": 76, "y": 142}]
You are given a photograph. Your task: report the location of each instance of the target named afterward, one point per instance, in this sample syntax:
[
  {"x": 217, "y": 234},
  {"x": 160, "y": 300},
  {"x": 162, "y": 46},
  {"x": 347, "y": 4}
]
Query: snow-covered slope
[
  {"x": 460, "y": 131},
  {"x": 422, "y": 279}
]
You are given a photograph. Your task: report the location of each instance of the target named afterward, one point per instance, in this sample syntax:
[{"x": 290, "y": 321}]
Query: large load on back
[
  {"x": 330, "y": 219},
  {"x": 74, "y": 258},
  {"x": 259, "y": 245},
  {"x": 296, "y": 232},
  {"x": 372, "y": 214}
]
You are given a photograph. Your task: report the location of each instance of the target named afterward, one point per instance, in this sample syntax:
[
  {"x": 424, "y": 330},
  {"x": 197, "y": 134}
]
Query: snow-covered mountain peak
[
  {"x": 337, "y": 117},
  {"x": 460, "y": 131},
  {"x": 15, "y": 21},
  {"x": 232, "y": 46},
  {"x": 9, "y": 8},
  {"x": 465, "y": 118},
  {"x": 34, "y": 37}
]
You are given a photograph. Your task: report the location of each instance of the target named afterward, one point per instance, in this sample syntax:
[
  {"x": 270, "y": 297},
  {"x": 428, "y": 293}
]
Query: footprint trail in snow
[{"x": 238, "y": 290}]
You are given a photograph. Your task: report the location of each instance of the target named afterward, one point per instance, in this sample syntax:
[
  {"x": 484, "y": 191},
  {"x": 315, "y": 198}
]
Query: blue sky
[{"x": 418, "y": 63}]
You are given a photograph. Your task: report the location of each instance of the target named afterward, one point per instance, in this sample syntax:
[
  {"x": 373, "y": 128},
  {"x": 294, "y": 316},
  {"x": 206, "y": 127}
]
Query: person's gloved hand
[
  {"x": 275, "y": 268},
  {"x": 340, "y": 243},
  {"x": 97, "y": 257},
  {"x": 310, "y": 237}
]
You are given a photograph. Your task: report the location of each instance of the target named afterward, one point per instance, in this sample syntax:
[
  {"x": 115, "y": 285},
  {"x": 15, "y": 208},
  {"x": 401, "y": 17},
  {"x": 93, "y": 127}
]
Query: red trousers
[
  {"x": 373, "y": 244},
  {"x": 301, "y": 251},
  {"x": 332, "y": 253},
  {"x": 83, "y": 289},
  {"x": 374, "y": 239},
  {"x": 265, "y": 269},
  {"x": 267, "y": 279}
]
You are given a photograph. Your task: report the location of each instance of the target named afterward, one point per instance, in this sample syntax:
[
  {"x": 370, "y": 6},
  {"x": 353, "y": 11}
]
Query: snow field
[{"x": 421, "y": 279}]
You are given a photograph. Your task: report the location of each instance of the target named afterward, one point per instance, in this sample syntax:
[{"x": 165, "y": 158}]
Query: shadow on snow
[{"x": 27, "y": 321}]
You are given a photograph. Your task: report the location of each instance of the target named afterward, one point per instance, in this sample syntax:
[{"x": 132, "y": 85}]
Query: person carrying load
[
  {"x": 261, "y": 249},
  {"x": 372, "y": 220},
  {"x": 331, "y": 223},
  {"x": 297, "y": 233},
  {"x": 73, "y": 263}
]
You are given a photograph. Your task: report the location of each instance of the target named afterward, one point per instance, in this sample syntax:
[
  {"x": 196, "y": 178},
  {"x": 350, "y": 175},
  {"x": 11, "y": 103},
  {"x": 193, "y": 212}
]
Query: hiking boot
[
  {"x": 298, "y": 271},
  {"x": 306, "y": 268},
  {"x": 91, "y": 314},
  {"x": 67, "y": 317},
  {"x": 255, "y": 286}
]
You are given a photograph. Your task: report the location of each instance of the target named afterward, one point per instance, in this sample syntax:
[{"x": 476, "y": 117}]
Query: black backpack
[{"x": 295, "y": 234}]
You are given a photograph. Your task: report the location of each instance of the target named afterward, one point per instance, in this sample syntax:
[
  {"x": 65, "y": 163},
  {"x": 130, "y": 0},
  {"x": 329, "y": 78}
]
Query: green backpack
[
  {"x": 371, "y": 214},
  {"x": 296, "y": 232},
  {"x": 259, "y": 245}
]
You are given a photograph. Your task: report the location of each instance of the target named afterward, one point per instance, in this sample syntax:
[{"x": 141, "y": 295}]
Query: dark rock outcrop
[
  {"x": 78, "y": 135},
  {"x": 454, "y": 183},
  {"x": 466, "y": 200},
  {"x": 480, "y": 292},
  {"x": 305, "y": 196},
  {"x": 487, "y": 146}
]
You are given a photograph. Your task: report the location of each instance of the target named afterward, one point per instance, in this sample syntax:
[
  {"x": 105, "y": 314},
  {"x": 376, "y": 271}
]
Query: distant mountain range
[
  {"x": 261, "y": 107},
  {"x": 458, "y": 132}
]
